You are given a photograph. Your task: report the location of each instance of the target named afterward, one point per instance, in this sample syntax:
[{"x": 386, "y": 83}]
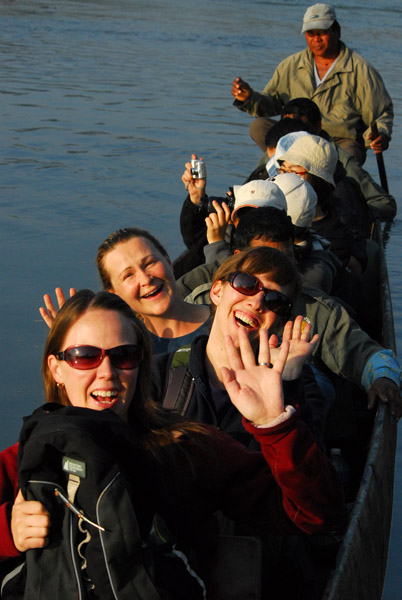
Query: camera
[
  {"x": 198, "y": 169},
  {"x": 208, "y": 207}
]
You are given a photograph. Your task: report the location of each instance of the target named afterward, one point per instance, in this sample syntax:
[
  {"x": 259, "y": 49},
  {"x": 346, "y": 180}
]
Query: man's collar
[{"x": 343, "y": 62}]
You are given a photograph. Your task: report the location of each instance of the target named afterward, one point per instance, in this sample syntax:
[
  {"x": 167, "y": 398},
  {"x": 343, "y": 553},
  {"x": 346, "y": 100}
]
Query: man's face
[{"x": 323, "y": 43}]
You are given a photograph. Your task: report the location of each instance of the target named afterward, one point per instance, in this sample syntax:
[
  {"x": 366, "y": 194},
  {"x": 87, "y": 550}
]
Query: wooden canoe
[{"x": 361, "y": 560}]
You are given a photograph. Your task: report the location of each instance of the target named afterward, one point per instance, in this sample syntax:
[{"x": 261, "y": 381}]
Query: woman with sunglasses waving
[
  {"x": 252, "y": 291},
  {"x": 98, "y": 356},
  {"x": 134, "y": 265}
]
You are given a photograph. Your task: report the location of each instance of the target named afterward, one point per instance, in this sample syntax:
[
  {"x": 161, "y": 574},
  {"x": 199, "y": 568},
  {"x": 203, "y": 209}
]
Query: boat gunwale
[{"x": 384, "y": 435}]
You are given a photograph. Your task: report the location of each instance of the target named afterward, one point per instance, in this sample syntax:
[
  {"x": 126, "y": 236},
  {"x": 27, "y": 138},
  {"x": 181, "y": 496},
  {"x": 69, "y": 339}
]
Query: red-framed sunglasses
[{"x": 127, "y": 356}]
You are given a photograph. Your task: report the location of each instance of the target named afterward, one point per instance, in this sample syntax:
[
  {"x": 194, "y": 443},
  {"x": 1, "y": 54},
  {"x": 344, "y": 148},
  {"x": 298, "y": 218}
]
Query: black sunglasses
[
  {"x": 249, "y": 285},
  {"x": 89, "y": 357}
]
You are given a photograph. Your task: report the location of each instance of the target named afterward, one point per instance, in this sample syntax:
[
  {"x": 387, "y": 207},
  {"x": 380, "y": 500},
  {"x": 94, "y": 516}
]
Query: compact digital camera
[{"x": 198, "y": 169}]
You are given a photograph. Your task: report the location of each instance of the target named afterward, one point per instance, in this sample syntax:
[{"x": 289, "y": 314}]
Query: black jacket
[{"x": 302, "y": 391}]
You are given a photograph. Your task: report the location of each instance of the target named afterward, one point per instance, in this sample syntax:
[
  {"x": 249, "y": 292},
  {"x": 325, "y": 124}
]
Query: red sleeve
[
  {"x": 8, "y": 492},
  {"x": 312, "y": 495},
  {"x": 289, "y": 483}
]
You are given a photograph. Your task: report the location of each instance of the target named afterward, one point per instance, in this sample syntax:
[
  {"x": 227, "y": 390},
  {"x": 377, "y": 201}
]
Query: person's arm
[
  {"x": 216, "y": 251},
  {"x": 195, "y": 186},
  {"x": 8, "y": 492},
  {"x": 217, "y": 222},
  {"x": 306, "y": 490},
  {"x": 192, "y": 225},
  {"x": 311, "y": 493},
  {"x": 192, "y": 216},
  {"x": 375, "y": 104},
  {"x": 346, "y": 349},
  {"x": 265, "y": 104},
  {"x": 217, "y": 225},
  {"x": 382, "y": 377}
]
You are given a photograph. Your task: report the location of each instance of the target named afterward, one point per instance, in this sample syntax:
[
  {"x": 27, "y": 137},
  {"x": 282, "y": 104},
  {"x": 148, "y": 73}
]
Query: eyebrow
[{"x": 129, "y": 267}]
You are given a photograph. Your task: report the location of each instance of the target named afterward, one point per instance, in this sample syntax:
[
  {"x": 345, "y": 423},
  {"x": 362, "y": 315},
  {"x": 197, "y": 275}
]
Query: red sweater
[{"x": 8, "y": 491}]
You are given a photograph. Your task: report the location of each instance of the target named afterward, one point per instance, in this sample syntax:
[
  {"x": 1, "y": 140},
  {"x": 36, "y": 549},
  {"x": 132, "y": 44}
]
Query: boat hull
[{"x": 362, "y": 557}]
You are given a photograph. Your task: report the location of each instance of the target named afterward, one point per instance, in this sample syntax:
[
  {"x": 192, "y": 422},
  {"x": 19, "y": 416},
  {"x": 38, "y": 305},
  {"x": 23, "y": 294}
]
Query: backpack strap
[
  {"x": 72, "y": 486},
  {"x": 180, "y": 382}
]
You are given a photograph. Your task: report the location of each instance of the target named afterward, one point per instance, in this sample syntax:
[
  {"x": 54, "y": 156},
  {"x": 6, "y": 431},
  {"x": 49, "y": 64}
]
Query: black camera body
[{"x": 207, "y": 206}]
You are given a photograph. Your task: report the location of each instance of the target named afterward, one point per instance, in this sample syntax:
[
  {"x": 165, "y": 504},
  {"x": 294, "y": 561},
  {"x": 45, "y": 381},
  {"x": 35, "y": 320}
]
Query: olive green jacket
[
  {"x": 343, "y": 348},
  {"x": 350, "y": 97}
]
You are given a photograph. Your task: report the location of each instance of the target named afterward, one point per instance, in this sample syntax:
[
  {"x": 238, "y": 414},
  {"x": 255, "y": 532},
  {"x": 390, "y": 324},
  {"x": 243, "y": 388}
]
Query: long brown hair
[{"x": 154, "y": 425}]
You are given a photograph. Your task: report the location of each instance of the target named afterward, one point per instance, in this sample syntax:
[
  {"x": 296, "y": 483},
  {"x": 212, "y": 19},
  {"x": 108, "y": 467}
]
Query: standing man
[{"x": 349, "y": 92}]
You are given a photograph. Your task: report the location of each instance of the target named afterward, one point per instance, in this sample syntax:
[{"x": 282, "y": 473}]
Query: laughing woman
[
  {"x": 135, "y": 266},
  {"x": 252, "y": 291},
  {"x": 97, "y": 356}
]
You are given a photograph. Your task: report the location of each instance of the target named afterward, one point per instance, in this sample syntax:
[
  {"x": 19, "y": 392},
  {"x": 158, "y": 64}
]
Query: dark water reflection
[{"x": 101, "y": 105}]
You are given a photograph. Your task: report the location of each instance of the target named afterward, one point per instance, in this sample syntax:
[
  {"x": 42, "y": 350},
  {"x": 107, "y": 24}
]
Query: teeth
[
  {"x": 245, "y": 320},
  {"x": 153, "y": 293},
  {"x": 103, "y": 394}
]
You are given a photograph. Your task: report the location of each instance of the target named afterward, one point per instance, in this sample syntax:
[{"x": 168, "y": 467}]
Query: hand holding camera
[
  {"x": 198, "y": 169},
  {"x": 217, "y": 221},
  {"x": 194, "y": 179}
]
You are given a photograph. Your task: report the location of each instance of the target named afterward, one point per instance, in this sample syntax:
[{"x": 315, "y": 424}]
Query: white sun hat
[
  {"x": 284, "y": 143},
  {"x": 301, "y": 199},
  {"x": 315, "y": 154},
  {"x": 257, "y": 193}
]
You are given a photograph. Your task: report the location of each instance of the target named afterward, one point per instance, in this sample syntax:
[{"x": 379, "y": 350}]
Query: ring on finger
[{"x": 266, "y": 364}]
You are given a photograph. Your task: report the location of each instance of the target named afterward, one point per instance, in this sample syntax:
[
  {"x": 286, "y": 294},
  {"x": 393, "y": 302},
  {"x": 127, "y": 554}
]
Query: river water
[{"x": 101, "y": 104}]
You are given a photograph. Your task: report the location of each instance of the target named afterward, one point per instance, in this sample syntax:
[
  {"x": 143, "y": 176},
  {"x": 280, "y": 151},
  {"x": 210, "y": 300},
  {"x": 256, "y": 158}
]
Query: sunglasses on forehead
[
  {"x": 249, "y": 285},
  {"x": 88, "y": 357}
]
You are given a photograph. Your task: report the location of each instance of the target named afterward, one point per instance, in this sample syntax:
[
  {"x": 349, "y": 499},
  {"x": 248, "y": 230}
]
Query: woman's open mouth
[
  {"x": 106, "y": 398},
  {"x": 154, "y": 292},
  {"x": 246, "y": 321}
]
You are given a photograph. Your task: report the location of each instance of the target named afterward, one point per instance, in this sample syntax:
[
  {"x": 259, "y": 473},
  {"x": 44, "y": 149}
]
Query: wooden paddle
[{"x": 380, "y": 159}]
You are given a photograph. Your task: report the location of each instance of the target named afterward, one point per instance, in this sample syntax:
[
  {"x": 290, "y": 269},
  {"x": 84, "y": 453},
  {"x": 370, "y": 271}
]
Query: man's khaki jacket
[{"x": 350, "y": 97}]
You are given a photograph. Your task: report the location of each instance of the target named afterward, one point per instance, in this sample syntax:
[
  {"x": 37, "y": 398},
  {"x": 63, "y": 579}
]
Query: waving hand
[{"x": 255, "y": 389}]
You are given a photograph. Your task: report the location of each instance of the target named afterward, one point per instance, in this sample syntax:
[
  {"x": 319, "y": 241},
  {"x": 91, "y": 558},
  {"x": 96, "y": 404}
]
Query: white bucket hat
[
  {"x": 284, "y": 143},
  {"x": 258, "y": 193},
  {"x": 318, "y": 16},
  {"x": 301, "y": 198},
  {"x": 315, "y": 154}
]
